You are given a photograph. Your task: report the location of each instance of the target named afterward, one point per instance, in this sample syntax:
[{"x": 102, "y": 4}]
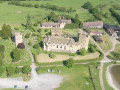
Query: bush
[
  {"x": 36, "y": 46},
  {"x": 26, "y": 69},
  {"x": 10, "y": 70},
  {"x": 51, "y": 55},
  {"x": 46, "y": 30},
  {"x": 16, "y": 54},
  {"x": 17, "y": 70},
  {"x": 69, "y": 62},
  {"x": 2, "y": 48},
  {"x": 83, "y": 52},
  {"x": 27, "y": 35},
  {"x": 87, "y": 5},
  {"x": 29, "y": 43},
  {"x": 39, "y": 30},
  {"x": 21, "y": 46}
]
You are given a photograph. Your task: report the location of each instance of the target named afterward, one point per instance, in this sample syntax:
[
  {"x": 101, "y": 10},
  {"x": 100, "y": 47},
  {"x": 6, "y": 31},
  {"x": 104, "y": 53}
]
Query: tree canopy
[
  {"x": 6, "y": 32},
  {"x": 26, "y": 69}
]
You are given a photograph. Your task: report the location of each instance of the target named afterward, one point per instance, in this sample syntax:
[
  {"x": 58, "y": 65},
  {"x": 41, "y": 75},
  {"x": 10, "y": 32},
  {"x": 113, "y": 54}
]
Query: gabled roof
[
  {"x": 59, "y": 40},
  {"x": 51, "y": 24},
  {"x": 111, "y": 31},
  {"x": 98, "y": 23}
]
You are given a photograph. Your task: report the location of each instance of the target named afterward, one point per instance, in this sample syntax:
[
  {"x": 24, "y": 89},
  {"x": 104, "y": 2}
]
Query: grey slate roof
[
  {"x": 88, "y": 24},
  {"x": 59, "y": 40},
  {"x": 51, "y": 24}
]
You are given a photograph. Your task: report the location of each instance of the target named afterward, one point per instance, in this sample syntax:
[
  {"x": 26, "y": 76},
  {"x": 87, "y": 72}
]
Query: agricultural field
[
  {"x": 74, "y": 78},
  {"x": 12, "y": 14}
]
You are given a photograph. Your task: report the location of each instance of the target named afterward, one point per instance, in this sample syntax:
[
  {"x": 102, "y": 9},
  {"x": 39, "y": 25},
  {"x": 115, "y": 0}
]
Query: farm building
[
  {"x": 98, "y": 24},
  {"x": 97, "y": 38}
]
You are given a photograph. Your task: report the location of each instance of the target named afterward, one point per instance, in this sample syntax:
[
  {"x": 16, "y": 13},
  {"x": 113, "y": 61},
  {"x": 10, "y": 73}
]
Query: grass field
[
  {"x": 74, "y": 78},
  {"x": 44, "y": 58},
  {"x": 95, "y": 76},
  {"x": 117, "y": 50},
  {"x": 106, "y": 44},
  {"x": 10, "y": 13},
  {"x": 106, "y": 85}
]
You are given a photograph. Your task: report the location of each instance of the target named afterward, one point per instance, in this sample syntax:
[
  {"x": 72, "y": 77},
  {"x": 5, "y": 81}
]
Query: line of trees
[{"x": 47, "y": 6}]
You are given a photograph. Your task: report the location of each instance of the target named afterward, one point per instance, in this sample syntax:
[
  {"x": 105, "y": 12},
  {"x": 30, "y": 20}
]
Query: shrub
[
  {"x": 51, "y": 55},
  {"x": 16, "y": 54},
  {"x": 26, "y": 69},
  {"x": 39, "y": 30},
  {"x": 17, "y": 70},
  {"x": 21, "y": 46},
  {"x": 46, "y": 30},
  {"x": 29, "y": 43},
  {"x": 83, "y": 52},
  {"x": 27, "y": 35},
  {"x": 10, "y": 70},
  {"x": 69, "y": 62},
  {"x": 36, "y": 46},
  {"x": 87, "y": 5},
  {"x": 2, "y": 48}
]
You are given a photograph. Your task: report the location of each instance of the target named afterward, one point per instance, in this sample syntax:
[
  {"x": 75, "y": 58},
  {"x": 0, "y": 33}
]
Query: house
[
  {"x": 97, "y": 38},
  {"x": 60, "y": 24},
  {"x": 56, "y": 32},
  {"x": 17, "y": 38},
  {"x": 111, "y": 32},
  {"x": 68, "y": 45},
  {"x": 62, "y": 20},
  {"x": 98, "y": 24},
  {"x": 50, "y": 25},
  {"x": 94, "y": 32}
]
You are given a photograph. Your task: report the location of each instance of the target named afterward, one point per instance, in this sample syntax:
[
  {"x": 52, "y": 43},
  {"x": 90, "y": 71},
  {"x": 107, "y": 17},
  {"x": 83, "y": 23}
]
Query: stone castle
[{"x": 57, "y": 43}]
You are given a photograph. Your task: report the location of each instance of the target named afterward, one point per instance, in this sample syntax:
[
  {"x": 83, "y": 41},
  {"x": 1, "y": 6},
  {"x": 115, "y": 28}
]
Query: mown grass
[
  {"x": 74, "y": 78},
  {"x": 106, "y": 44},
  {"x": 95, "y": 76},
  {"x": 106, "y": 85},
  {"x": 117, "y": 50}
]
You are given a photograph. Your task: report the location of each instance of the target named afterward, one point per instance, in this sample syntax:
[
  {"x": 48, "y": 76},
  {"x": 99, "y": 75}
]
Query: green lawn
[
  {"x": 95, "y": 77},
  {"x": 106, "y": 85},
  {"x": 106, "y": 44},
  {"x": 74, "y": 78},
  {"x": 10, "y": 13},
  {"x": 117, "y": 50}
]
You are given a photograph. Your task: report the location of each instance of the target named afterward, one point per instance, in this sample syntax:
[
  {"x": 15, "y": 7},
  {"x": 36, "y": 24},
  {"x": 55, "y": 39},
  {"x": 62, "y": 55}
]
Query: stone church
[
  {"x": 17, "y": 38},
  {"x": 57, "y": 43}
]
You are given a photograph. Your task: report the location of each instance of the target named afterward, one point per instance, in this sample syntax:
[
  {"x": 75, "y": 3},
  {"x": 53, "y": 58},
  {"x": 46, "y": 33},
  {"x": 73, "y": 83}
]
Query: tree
[
  {"x": 16, "y": 54},
  {"x": 21, "y": 46},
  {"x": 36, "y": 5},
  {"x": 17, "y": 70},
  {"x": 53, "y": 17},
  {"x": 87, "y": 5},
  {"x": 91, "y": 48},
  {"x": 26, "y": 69},
  {"x": 83, "y": 52},
  {"x": 36, "y": 46},
  {"x": 2, "y": 48},
  {"x": 2, "y": 70},
  {"x": 69, "y": 62},
  {"x": 10, "y": 70},
  {"x": 27, "y": 35},
  {"x": 28, "y": 21},
  {"x": 6, "y": 31}
]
